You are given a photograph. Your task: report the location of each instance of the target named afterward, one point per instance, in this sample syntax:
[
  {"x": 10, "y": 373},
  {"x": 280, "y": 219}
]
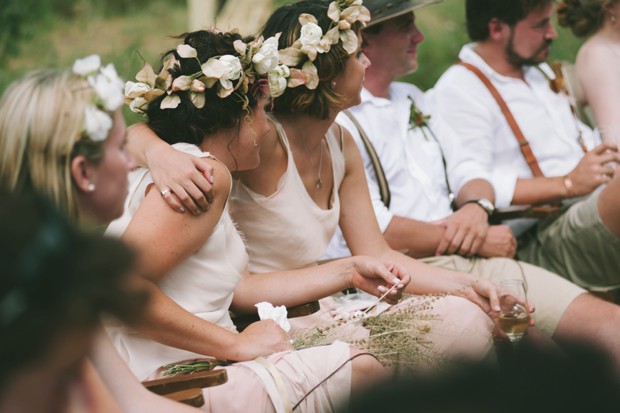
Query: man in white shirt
[
  {"x": 512, "y": 40},
  {"x": 411, "y": 159}
]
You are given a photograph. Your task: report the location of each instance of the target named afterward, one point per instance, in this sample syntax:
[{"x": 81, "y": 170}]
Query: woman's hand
[
  {"x": 483, "y": 293},
  {"x": 376, "y": 277},
  {"x": 260, "y": 339},
  {"x": 185, "y": 181}
]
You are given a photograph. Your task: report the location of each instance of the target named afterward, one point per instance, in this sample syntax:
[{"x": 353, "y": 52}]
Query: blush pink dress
[{"x": 204, "y": 285}]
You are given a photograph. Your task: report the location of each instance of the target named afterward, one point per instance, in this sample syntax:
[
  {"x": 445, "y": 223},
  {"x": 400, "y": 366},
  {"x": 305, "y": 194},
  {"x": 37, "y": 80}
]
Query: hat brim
[{"x": 398, "y": 11}]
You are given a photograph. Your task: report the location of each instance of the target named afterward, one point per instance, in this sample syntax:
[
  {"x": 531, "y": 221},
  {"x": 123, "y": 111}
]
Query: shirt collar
[
  {"x": 368, "y": 97},
  {"x": 396, "y": 95},
  {"x": 467, "y": 54}
]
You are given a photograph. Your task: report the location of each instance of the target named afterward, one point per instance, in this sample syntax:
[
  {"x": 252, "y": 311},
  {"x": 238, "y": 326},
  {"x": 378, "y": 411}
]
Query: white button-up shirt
[
  {"x": 544, "y": 117},
  {"x": 411, "y": 161}
]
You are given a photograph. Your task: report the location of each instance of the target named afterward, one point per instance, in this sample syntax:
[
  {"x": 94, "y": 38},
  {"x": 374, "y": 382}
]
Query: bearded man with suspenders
[{"x": 544, "y": 154}]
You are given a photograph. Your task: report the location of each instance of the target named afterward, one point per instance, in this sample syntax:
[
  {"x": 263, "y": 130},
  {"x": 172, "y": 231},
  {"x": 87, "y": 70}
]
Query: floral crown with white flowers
[
  {"x": 226, "y": 73},
  {"x": 108, "y": 89},
  {"x": 303, "y": 52}
]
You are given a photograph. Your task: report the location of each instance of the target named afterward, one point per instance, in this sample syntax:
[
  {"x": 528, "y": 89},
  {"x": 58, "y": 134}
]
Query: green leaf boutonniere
[{"x": 417, "y": 119}]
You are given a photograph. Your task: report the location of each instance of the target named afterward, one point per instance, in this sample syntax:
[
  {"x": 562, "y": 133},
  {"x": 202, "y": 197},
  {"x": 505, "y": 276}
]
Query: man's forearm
[
  {"x": 420, "y": 239},
  {"x": 540, "y": 191},
  {"x": 475, "y": 189}
]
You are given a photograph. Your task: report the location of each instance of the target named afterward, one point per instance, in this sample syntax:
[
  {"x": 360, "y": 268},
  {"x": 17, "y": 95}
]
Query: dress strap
[{"x": 272, "y": 383}]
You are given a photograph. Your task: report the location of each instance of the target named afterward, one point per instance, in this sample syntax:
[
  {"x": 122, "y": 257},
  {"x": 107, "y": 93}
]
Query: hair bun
[{"x": 581, "y": 17}]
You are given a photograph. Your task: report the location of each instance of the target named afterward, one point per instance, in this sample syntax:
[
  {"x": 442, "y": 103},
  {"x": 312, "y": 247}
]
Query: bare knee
[
  {"x": 365, "y": 370},
  {"x": 590, "y": 319}
]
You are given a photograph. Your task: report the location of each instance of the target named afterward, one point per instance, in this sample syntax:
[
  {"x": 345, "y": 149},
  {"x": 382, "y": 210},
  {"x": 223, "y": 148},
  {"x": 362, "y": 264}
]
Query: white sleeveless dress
[
  {"x": 287, "y": 230},
  {"x": 203, "y": 285}
]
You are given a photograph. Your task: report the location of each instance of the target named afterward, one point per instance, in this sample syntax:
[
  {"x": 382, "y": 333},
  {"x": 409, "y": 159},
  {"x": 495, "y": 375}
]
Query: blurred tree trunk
[{"x": 201, "y": 13}]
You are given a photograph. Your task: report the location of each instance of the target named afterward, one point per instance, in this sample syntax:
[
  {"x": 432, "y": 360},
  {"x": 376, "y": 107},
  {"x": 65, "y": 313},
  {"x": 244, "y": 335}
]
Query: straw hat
[{"x": 381, "y": 10}]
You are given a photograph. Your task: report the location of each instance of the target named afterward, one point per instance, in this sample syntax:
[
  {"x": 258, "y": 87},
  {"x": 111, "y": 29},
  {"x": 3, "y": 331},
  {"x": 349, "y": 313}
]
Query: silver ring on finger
[{"x": 165, "y": 192}]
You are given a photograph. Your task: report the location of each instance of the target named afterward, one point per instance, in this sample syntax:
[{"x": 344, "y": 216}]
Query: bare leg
[
  {"x": 592, "y": 320},
  {"x": 609, "y": 204},
  {"x": 366, "y": 371}
]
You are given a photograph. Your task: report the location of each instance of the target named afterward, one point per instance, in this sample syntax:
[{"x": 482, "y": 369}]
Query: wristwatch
[{"x": 487, "y": 205}]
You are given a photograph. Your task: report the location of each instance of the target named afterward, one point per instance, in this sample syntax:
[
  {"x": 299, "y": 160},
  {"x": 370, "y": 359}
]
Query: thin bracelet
[{"x": 568, "y": 184}]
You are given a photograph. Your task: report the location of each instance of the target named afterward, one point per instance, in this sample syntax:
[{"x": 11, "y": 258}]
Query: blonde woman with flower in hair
[
  {"x": 62, "y": 135},
  {"x": 209, "y": 100}
]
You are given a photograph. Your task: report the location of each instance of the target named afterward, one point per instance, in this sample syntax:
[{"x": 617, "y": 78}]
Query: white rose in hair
[
  {"x": 232, "y": 70},
  {"x": 87, "y": 65},
  {"x": 136, "y": 89},
  {"x": 109, "y": 88},
  {"x": 278, "y": 78},
  {"x": 97, "y": 123},
  {"x": 267, "y": 57},
  {"x": 311, "y": 34},
  {"x": 266, "y": 311},
  {"x": 139, "y": 105}
]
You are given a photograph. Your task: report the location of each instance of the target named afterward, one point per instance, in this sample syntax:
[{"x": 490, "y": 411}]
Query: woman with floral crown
[
  {"x": 311, "y": 179},
  {"x": 209, "y": 100}
]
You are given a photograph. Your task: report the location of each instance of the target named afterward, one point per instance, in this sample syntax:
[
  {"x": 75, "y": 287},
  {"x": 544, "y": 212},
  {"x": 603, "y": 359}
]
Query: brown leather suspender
[
  {"x": 384, "y": 187},
  {"x": 524, "y": 145}
]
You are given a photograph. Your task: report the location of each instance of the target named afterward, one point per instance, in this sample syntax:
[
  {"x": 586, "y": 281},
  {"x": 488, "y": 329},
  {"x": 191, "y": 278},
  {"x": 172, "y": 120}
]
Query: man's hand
[
  {"x": 499, "y": 242},
  {"x": 183, "y": 180},
  {"x": 593, "y": 170},
  {"x": 465, "y": 232}
]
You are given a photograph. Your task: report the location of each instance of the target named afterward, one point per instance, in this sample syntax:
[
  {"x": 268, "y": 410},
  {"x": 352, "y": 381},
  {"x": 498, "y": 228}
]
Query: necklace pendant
[{"x": 319, "y": 184}]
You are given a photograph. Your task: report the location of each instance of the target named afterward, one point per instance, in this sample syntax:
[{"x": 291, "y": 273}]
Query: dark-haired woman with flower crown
[
  {"x": 209, "y": 100},
  {"x": 311, "y": 178}
]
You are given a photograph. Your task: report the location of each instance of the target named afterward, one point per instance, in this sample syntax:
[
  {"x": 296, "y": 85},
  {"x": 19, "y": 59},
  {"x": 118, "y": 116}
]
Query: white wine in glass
[{"x": 514, "y": 318}]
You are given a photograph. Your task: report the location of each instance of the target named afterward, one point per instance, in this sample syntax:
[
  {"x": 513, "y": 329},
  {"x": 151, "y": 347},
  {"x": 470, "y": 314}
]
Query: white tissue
[{"x": 266, "y": 311}]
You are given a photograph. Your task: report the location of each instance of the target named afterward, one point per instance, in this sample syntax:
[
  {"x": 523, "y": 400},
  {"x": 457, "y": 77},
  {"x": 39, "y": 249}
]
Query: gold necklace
[{"x": 319, "y": 182}]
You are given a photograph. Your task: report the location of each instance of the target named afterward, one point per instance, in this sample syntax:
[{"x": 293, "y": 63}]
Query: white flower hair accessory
[
  {"x": 226, "y": 73},
  {"x": 108, "y": 89},
  {"x": 312, "y": 41}
]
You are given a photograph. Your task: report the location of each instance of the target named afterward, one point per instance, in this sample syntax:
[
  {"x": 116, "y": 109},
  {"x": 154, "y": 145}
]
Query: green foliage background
[{"x": 53, "y": 33}]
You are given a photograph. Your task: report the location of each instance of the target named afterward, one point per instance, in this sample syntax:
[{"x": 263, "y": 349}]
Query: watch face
[{"x": 487, "y": 205}]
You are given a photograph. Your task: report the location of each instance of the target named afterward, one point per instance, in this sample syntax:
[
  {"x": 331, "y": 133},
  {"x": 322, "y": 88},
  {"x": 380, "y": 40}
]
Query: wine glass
[{"x": 514, "y": 317}]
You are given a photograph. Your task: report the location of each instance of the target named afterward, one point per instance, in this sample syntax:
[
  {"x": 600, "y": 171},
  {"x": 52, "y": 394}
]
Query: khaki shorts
[
  {"x": 576, "y": 245},
  {"x": 550, "y": 293}
]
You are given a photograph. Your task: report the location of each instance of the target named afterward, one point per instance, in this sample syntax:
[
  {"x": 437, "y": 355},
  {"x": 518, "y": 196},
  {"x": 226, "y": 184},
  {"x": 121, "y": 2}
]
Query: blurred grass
[{"x": 125, "y": 32}]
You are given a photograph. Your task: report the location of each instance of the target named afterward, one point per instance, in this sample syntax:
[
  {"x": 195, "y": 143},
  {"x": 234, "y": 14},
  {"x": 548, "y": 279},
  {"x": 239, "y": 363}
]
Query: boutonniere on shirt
[
  {"x": 558, "y": 83},
  {"x": 417, "y": 119}
]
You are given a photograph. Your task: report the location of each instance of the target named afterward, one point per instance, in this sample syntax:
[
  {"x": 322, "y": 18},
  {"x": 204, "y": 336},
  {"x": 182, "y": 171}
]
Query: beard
[{"x": 518, "y": 60}]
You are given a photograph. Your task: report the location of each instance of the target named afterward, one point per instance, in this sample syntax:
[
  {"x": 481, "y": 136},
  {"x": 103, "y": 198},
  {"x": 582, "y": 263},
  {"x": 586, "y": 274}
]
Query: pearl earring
[
  {"x": 613, "y": 19},
  {"x": 90, "y": 187},
  {"x": 333, "y": 84}
]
